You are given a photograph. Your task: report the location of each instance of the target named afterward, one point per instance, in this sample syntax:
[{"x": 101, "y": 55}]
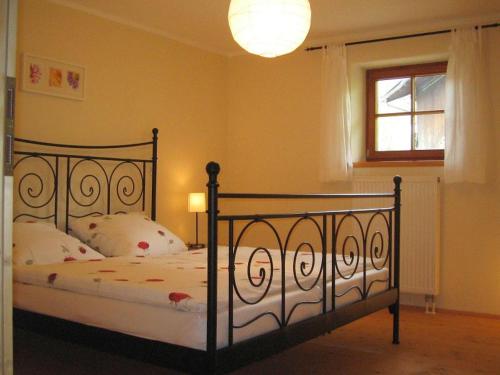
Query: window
[{"x": 405, "y": 112}]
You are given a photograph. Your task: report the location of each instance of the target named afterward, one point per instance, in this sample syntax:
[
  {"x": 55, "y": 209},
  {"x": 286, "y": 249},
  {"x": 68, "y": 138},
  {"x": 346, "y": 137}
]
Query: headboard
[{"x": 50, "y": 184}]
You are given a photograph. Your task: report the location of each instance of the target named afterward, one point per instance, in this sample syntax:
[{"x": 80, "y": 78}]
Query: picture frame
[{"x": 47, "y": 76}]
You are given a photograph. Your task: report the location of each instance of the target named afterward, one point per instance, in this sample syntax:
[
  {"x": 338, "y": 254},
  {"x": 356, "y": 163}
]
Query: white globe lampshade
[{"x": 269, "y": 28}]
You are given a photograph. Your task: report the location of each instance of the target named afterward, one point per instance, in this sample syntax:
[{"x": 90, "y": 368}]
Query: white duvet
[{"x": 179, "y": 281}]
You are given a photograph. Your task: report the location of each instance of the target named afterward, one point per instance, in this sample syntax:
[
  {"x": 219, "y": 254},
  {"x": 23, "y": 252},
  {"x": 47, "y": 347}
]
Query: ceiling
[{"x": 203, "y": 23}]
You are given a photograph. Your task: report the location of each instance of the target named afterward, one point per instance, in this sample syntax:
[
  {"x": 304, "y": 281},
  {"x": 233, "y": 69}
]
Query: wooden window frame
[{"x": 372, "y": 76}]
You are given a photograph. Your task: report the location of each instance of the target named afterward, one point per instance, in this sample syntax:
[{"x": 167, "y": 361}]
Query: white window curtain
[
  {"x": 335, "y": 143},
  {"x": 467, "y": 117}
]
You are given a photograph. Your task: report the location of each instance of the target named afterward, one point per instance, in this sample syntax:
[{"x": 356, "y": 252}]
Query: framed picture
[{"x": 51, "y": 77}]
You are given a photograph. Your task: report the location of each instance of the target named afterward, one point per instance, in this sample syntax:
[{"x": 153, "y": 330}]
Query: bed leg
[
  {"x": 213, "y": 170},
  {"x": 395, "y": 322},
  {"x": 397, "y": 222}
]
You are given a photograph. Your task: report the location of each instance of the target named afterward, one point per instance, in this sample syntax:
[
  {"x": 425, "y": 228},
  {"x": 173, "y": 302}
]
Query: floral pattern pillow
[
  {"x": 126, "y": 234},
  {"x": 43, "y": 243}
]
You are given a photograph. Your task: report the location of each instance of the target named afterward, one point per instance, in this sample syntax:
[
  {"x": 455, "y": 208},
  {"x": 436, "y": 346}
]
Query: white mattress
[{"x": 185, "y": 328}]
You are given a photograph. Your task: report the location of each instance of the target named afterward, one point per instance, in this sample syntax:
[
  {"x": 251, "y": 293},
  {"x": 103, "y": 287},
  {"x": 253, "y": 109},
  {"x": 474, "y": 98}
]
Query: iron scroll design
[
  {"x": 370, "y": 247},
  {"x": 262, "y": 280},
  {"x": 50, "y": 184},
  {"x": 355, "y": 253},
  {"x": 37, "y": 188},
  {"x": 105, "y": 187},
  {"x": 354, "y": 246}
]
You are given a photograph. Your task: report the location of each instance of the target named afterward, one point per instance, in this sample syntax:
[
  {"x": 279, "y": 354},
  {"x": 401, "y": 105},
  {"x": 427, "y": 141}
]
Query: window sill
[{"x": 398, "y": 164}]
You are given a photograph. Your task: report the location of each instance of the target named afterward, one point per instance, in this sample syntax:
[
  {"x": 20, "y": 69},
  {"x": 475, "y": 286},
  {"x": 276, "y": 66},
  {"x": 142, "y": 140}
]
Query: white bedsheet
[
  {"x": 144, "y": 308},
  {"x": 178, "y": 281}
]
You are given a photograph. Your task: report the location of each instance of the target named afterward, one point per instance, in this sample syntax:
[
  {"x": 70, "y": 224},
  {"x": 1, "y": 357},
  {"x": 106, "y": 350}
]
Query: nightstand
[{"x": 192, "y": 246}]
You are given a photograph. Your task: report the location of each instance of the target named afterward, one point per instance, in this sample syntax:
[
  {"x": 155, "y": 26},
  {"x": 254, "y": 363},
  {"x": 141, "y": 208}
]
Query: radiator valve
[{"x": 430, "y": 304}]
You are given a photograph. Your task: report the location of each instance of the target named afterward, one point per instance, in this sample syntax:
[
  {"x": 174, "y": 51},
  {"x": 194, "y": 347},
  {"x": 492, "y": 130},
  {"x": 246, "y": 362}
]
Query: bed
[{"x": 209, "y": 310}]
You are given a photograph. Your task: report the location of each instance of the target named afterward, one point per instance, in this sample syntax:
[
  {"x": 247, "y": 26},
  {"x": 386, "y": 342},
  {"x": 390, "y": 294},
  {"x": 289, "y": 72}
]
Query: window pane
[
  {"x": 393, "y": 95},
  {"x": 429, "y": 92},
  {"x": 429, "y": 132},
  {"x": 393, "y": 133}
]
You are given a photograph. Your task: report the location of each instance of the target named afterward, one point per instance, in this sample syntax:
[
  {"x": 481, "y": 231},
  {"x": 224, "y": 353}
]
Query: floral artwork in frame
[{"x": 51, "y": 77}]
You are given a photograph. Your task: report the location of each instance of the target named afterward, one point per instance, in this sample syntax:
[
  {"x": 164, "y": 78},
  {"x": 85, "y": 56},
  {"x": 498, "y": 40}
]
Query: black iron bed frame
[
  {"x": 91, "y": 186},
  {"x": 328, "y": 224}
]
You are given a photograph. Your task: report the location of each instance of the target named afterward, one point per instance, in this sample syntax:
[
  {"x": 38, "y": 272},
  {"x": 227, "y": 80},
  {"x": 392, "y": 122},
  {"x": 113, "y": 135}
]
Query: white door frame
[{"x": 8, "y": 37}]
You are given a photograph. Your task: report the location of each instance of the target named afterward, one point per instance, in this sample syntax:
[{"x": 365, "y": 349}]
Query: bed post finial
[
  {"x": 213, "y": 170},
  {"x": 154, "y": 172},
  {"x": 397, "y": 180},
  {"x": 397, "y": 228}
]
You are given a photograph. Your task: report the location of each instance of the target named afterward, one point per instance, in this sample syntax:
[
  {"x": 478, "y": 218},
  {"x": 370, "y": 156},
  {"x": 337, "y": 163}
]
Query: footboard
[{"x": 352, "y": 272}]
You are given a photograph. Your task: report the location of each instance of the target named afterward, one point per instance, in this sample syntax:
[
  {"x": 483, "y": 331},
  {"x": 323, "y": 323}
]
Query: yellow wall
[
  {"x": 273, "y": 136},
  {"x": 135, "y": 81}
]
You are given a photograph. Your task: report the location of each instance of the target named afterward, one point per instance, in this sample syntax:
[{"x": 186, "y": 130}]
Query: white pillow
[
  {"x": 43, "y": 243},
  {"x": 126, "y": 234}
]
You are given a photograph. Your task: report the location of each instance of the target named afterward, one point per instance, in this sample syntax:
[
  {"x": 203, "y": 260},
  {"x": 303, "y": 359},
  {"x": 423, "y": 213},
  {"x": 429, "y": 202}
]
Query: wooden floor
[{"x": 444, "y": 344}]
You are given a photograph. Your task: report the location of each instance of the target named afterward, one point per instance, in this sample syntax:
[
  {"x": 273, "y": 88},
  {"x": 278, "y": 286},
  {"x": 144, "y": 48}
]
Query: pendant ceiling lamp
[{"x": 269, "y": 28}]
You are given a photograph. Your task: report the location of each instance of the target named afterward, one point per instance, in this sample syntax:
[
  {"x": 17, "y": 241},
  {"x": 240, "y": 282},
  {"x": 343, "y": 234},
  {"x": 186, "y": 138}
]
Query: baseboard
[
  {"x": 468, "y": 313},
  {"x": 452, "y": 312}
]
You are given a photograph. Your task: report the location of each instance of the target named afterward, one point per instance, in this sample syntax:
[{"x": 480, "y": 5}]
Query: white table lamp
[{"x": 196, "y": 204}]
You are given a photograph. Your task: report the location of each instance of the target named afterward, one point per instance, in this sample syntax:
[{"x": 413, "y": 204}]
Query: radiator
[{"x": 420, "y": 228}]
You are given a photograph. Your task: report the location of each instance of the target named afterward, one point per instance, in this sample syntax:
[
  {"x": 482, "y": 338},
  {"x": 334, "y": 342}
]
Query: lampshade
[
  {"x": 269, "y": 28},
  {"x": 196, "y": 202}
]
